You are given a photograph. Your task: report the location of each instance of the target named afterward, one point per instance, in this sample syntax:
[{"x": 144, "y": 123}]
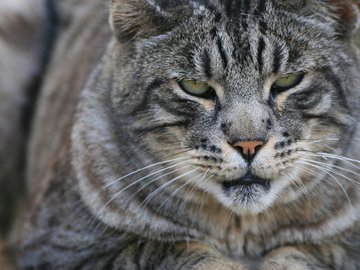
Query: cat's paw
[
  {"x": 202, "y": 257},
  {"x": 219, "y": 265},
  {"x": 284, "y": 265},
  {"x": 290, "y": 259}
]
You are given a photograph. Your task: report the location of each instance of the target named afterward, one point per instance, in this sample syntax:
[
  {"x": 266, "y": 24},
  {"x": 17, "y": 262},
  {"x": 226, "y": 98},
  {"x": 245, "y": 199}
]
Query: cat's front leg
[
  {"x": 184, "y": 256},
  {"x": 308, "y": 258},
  {"x": 200, "y": 257}
]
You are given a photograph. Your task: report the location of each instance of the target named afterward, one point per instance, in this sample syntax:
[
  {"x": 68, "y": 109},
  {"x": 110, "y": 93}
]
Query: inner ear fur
[
  {"x": 346, "y": 9},
  {"x": 346, "y": 14},
  {"x": 133, "y": 19}
]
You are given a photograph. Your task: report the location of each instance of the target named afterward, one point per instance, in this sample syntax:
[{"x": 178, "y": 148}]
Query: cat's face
[{"x": 253, "y": 97}]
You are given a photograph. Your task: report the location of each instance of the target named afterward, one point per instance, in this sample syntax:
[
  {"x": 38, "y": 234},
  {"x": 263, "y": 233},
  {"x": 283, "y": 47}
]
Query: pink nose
[{"x": 248, "y": 149}]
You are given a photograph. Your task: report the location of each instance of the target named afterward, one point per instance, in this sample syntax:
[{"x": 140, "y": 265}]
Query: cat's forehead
[
  {"x": 231, "y": 8},
  {"x": 259, "y": 35},
  {"x": 235, "y": 13}
]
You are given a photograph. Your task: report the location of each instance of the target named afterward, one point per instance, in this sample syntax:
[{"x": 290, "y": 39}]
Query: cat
[{"x": 196, "y": 134}]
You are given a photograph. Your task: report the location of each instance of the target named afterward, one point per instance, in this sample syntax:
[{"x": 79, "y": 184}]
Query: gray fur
[{"x": 139, "y": 184}]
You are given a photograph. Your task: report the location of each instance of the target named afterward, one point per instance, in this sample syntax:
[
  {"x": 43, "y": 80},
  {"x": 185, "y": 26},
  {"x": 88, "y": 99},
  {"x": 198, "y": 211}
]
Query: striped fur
[{"x": 128, "y": 171}]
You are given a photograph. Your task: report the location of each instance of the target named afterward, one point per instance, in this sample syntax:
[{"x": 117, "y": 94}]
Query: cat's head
[{"x": 255, "y": 98}]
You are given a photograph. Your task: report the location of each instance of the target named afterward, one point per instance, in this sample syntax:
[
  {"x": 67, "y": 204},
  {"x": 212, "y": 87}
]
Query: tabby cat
[{"x": 196, "y": 134}]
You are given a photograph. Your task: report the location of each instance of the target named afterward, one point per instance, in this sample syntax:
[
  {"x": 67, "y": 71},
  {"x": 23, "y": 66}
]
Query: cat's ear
[
  {"x": 346, "y": 15},
  {"x": 132, "y": 19}
]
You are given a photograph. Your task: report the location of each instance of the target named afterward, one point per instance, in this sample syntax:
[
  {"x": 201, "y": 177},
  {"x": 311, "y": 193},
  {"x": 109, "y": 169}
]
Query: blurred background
[{"x": 23, "y": 53}]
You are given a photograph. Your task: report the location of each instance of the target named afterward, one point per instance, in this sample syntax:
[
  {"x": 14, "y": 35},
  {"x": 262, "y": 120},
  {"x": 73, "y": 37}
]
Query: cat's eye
[
  {"x": 285, "y": 83},
  {"x": 197, "y": 88},
  {"x": 288, "y": 81}
]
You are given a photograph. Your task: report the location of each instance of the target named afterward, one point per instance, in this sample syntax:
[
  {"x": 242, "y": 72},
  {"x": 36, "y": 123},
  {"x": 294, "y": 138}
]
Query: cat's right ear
[
  {"x": 133, "y": 19},
  {"x": 347, "y": 16}
]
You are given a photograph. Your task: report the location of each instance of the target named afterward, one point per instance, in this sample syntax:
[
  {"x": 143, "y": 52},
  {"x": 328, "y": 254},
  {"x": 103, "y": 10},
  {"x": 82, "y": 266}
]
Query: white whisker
[
  {"x": 199, "y": 178},
  {"x": 157, "y": 178},
  {"x": 329, "y": 169},
  {"x": 306, "y": 192},
  {"x": 142, "y": 169},
  {"x": 336, "y": 167},
  {"x": 155, "y": 192},
  {"x": 340, "y": 157},
  {"x": 142, "y": 179},
  {"x": 332, "y": 177},
  {"x": 333, "y": 156}
]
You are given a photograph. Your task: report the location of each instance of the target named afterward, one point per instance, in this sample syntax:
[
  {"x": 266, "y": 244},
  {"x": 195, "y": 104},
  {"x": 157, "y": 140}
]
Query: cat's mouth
[{"x": 248, "y": 180}]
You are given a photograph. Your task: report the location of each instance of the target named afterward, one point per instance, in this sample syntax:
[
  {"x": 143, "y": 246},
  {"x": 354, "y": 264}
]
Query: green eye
[
  {"x": 197, "y": 88},
  {"x": 288, "y": 81}
]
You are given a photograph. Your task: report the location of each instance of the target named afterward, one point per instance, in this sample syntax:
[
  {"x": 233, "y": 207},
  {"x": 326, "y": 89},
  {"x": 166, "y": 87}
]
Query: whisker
[
  {"x": 340, "y": 157},
  {"x": 155, "y": 192},
  {"x": 336, "y": 167},
  {"x": 336, "y": 157},
  {"x": 298, "y": 182},
  {"x": 142, "y": 169},
  {"x": 328, "y": 140},
  {"x": 122, "y": 190},
  {"x": 176, "y": 153},
  {"x": 329, "y": 169},
  {"x": 182, "y": 186},
  {"x": 339, "y": 184},
  {"x": 228, "y": 218},
  {"x": 177, "y": 148},
  {"x": 145, "y": 177},
  {"x": 155, "y": 179},
  {"x": 319, "y": 140},
  {"x": 331, "y": 155}
]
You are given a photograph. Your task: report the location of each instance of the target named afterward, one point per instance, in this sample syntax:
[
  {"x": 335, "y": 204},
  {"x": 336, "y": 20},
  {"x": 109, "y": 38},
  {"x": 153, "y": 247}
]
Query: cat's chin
[
  {"x": 248, "y": 204},
  {"x": 249, "y": 194}
]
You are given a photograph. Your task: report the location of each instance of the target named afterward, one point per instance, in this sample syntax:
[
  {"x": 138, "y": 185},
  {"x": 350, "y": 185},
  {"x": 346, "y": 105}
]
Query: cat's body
[{"x": 113, "y": 138}]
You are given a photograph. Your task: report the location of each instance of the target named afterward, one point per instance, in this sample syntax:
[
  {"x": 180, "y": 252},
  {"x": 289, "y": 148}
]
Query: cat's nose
[{"x": 248, "y": 149}]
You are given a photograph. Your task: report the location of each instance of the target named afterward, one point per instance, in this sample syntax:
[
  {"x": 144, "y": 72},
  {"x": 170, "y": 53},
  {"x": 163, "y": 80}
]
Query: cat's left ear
[
  {"x": 133, "y": 19},
  {"x": 346, "y": 14}
]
